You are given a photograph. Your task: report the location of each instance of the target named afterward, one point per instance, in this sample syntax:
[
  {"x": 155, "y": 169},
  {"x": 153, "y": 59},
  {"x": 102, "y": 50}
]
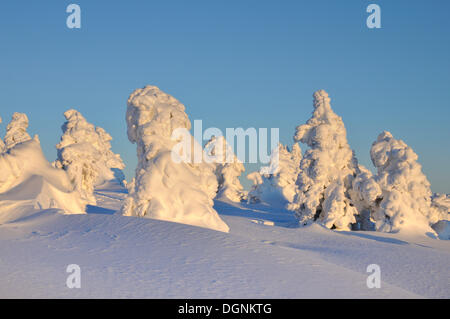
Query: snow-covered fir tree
[
  {"x": 228, "y": 168},
  {"x": 404, "y": 201},
  {"x": 85, "y": 153},
  {"x": 16, "y": 131},
  {"x": 327, "y": 169},
  {"x": 165, "y": 186},
  {"x": 276, "y": 183}
]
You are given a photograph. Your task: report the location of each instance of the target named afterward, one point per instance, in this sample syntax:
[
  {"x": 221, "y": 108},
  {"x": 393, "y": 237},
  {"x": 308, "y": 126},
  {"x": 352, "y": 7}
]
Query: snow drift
[
  {"x": 29, "y": 183},
  {"x": 163, "y": 188}
]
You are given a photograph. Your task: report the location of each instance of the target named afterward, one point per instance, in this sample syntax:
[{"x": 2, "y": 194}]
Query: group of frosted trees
[
  {"x": 326, "y": 184},
  {"x": 84, "y": 153},
  {"x": 333, "y": 189}
]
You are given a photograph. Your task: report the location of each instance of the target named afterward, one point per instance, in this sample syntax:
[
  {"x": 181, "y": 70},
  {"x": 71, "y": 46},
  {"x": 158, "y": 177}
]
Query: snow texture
[
  {"x": 29, "y": 183},
  {"x": 166, "y": 187},
  {"x": 327, "y": 169},
  {"x": 276, "y": 183},
  {"x": 16, "y": 131},
  {"x": 85, "y": 153},
  {"x": 228, "y": 168},
  {"x": 123, "y": 257}
]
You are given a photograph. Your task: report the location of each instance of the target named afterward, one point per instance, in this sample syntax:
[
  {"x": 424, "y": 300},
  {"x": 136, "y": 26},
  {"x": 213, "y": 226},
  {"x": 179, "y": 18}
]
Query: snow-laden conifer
[{"x": 327, "y": 169}]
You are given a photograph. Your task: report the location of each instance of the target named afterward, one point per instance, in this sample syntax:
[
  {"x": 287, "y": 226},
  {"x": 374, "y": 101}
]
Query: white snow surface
[{"x": 265, "y": 255}]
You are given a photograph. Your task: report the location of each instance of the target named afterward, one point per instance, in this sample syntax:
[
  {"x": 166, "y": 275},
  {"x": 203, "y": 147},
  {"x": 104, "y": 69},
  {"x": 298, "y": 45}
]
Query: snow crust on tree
[
  {"x": 85, "y": 153},
  {"x": 403, "y": 201},
  {"x": 16, "y": 131},
  {"x": 276, "y": 183},
  {"x": 165, "y": 189},
  {"x": 228, "y": 168},
  {"x": 29, "y": 183},
  {"x": 327, "y": 169},
  {"x": 2, "y": 144}
]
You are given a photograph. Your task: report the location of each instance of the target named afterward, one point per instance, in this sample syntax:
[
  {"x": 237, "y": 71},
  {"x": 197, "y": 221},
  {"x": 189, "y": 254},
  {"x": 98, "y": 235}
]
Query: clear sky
[{"x": 235, "y": 64}]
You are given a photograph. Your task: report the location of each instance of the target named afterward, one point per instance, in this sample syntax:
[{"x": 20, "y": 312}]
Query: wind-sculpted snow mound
[
  {"x": 29, "y": 183},
  {"x": 166, "y": 187}
]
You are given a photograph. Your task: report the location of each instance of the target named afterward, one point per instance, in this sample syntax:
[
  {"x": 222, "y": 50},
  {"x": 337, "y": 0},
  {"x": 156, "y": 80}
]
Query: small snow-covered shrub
[
  {"x": 228, "y": 168},
  {"x": 165, "y": 189},
  {"x": 276, "y": 184}
]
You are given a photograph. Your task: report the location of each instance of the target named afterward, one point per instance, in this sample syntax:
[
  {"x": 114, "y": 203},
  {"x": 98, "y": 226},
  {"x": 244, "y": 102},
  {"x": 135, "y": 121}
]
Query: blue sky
[{"x": 235, "y": 64}]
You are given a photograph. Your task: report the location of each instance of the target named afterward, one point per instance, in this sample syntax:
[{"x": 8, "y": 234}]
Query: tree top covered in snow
[
  {"x": 16, "y": 131},
  {"x": 152, "y": 112}
]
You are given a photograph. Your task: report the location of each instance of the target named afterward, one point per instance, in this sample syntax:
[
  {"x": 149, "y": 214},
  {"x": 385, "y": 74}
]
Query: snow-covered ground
[{"x": 263, "y": 256}]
